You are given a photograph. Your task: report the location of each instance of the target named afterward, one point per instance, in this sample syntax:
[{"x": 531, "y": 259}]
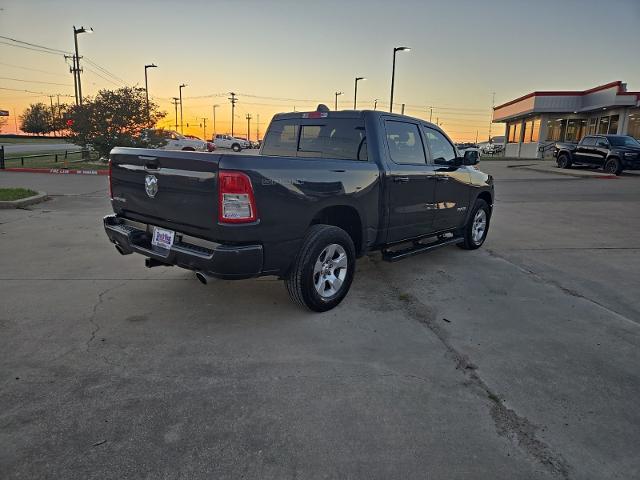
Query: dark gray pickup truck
[{"x": 326, "y": 188}]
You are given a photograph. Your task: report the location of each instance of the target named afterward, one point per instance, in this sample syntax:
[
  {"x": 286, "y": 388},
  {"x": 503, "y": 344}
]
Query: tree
[
  {"x": 114, "y": 118},
  {"x": 36, "y": 119},
  {"x": 3, "y": 122}
]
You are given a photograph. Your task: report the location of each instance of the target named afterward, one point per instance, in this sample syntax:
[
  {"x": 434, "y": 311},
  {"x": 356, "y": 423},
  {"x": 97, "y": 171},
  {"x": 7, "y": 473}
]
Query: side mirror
[{"x": 471, "y": 157}]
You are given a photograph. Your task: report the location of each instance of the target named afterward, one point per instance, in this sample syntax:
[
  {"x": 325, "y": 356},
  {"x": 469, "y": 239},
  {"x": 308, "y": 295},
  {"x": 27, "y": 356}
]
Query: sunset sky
[{"x": 281, "y": 55}]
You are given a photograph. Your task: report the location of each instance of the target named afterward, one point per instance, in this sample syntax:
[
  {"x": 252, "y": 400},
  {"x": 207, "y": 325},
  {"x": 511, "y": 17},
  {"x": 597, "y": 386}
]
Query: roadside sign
[{"x": 4, "y": 113}]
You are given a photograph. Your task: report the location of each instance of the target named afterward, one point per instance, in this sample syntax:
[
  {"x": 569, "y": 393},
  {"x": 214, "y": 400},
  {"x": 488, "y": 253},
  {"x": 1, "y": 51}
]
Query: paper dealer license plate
[{"x": 162, "y": 238}]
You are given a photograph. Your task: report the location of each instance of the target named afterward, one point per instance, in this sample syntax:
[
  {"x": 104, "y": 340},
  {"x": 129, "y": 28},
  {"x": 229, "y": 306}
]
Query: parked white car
[
  {"x": 176, "y": 141},
  {"x": 234, "y": 143}
]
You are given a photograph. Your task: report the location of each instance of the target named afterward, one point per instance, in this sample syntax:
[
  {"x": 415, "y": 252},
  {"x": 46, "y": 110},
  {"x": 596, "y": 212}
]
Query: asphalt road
[{"x": 515, "y": 361}]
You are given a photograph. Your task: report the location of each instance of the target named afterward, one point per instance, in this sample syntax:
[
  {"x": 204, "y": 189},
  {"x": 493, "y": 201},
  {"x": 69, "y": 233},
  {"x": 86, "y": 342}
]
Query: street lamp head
[
  {"x": 360, "y": 78},
  {"x": 83, "y": 30},
  {"x": 216, "y": 105},
  {"x": 152, "y": 65},
  {"x": 402, "y": 49},
  {"x": 339, "y": 93},
  {"x": 183, "y": 85}
]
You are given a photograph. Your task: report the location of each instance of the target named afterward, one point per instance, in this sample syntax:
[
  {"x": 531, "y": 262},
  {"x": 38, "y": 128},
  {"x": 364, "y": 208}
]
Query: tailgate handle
[
  {"x": 401, "y": 179},
  {"x": 151, "y": 163}
]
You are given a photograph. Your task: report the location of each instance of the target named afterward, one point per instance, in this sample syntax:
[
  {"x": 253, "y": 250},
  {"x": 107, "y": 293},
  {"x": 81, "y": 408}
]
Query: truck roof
[{"x": 347, "y": 114}]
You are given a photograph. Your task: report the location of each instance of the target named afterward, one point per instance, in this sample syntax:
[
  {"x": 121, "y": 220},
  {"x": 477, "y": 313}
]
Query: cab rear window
[{"x": 342, "y": 139}]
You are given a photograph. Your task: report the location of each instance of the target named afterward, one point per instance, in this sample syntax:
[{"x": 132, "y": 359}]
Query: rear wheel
[
  {"x": 563, "y": 161},
  {"x": 613, "y": 166},
  {"x": 235, "y": 147},
  {"x": 477, "y": 227},
  {"x": 323, "y": 270},
  {"x": 188, "y": 149}
]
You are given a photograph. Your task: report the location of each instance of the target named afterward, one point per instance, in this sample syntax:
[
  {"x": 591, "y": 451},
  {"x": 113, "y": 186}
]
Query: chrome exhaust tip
[{"x": 202, "y": 278}]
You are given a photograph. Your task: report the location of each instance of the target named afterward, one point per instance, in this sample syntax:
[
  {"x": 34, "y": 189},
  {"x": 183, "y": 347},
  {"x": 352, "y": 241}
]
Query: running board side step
[{"x": 418, "y": 248}]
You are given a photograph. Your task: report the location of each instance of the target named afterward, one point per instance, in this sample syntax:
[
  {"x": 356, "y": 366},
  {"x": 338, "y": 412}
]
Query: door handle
[
  {"x": 401, "y": 179},
  {"x": 442, "y": 178}
]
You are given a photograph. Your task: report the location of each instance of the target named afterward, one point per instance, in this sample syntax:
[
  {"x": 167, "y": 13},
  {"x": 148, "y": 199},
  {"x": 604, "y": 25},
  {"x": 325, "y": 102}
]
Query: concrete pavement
[{"x": 514, "y": 361}]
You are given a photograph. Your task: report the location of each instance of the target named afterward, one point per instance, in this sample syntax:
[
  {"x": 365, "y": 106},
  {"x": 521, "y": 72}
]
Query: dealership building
[{"x": 537, "y": 120}]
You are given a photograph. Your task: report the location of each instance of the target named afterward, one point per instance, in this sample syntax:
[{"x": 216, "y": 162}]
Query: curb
[
  {"x": 58, "y": 171},
  {"x": 23, "y": 202},
  {"x": 570, "y": 173}
]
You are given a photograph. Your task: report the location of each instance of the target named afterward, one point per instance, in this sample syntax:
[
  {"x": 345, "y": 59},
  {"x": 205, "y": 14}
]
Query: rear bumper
[{"x": 231, "y": 262}]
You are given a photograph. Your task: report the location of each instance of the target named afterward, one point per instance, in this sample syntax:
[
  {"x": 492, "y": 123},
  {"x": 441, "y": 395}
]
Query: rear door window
[
  {"x": 405, "y": 143},
  {"x": 588, "y": 142},
  {"x": 342, "y": 139},
  {"x": 282, "y": 139}
]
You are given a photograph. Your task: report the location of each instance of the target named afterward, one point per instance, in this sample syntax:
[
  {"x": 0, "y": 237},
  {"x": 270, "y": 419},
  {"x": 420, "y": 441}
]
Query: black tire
[
  {"x": 563, "y": 161},
  {"x": 613, "y": 166},
  {"x": 470, "y": 241},
  {"x": 188, "y": 149},
  {"x": 300, "y": 282},
  {"x": 235, "y": 147}
]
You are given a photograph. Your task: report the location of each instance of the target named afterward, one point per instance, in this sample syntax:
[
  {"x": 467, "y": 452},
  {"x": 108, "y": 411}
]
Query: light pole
[
  {"x": 181, "y": 124},
  {"x": 355, "y": 91},
  {"x": 336, "y": 106},
  {"x": 76, "y": 32},
  {"x": 375, "y": 104},
  {"x": 393, "y": 71},
  {"x": 214, "y": 121},
  {"x": 146, "y": 87},
  {"x": 175, "y": 103}
]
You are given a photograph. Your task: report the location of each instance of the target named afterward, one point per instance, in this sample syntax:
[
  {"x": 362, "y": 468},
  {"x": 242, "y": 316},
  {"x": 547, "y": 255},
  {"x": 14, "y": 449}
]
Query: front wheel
[
  {"x": 563, "y": 161},
  {"x": 477, "y": 227},
  {"x": 613, "y": 166},
  {"x": 323, "y": 270}
]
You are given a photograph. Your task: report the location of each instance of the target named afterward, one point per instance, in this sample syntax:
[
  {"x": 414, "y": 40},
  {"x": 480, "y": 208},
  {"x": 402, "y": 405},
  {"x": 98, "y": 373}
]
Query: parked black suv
[
  {"x": 326, "y": 188},
  {"x": 612, "y": 153}
]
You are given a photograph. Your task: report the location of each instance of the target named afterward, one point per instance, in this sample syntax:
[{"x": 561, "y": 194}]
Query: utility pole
[
  {"x": 430, "y": 113},
  {"x": 204, "y": 129},
  {"x": 402, "y": 111},
  {"x": 437, "y": 121},
  {"x": 181, "y": 124},
  {"x": 175, "y": 103},
  {"x": 336, "y": 106},
  {"x": 53, "y": 114},
  {"x": 248, "y": 127},
  {"x": 476, "y": 137},
  {"x": 233, "y": 101},
  {"x": 375, "y": 104},
  {"x": 493, "y": 104},
  {"x": 73, "y": 70}
]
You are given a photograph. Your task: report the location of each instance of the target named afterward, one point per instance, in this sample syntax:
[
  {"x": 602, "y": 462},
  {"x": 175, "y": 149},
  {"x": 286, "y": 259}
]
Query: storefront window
[
  {"x": 556, "y": 129},
  {"x": 603, "y": 125},
  {"x": 535, "y": 132},
  {"x": 576, "y": 129},
  {"x": 593, "y": 123},
  {"x": 613, "y": 124},
  {"x": 513, "y": 132},
  {"x": 634, "y": 124},
  {"x": 528, "y": 127}
]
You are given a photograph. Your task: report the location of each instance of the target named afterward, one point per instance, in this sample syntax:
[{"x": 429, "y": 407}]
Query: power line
[
  {"x": 21, "y": 42},
  {"x": 31, "y": 91},
  {"x": 34, "y": 81},
  {"x": 33, "y": 69}
]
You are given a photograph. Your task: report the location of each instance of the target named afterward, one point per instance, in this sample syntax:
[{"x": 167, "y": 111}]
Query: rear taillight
[
  {"x": 110, "y": 180},
  {"x": 236, "y": 201}
]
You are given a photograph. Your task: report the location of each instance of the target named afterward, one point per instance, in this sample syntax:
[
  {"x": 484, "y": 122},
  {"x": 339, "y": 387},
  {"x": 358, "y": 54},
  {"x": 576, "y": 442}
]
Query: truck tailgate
[{"x": 167, "y": 188}]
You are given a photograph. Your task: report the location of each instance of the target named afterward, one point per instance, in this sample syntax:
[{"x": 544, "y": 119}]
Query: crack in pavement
[
  {"x": 92, "y": 318},
  {"x": 548, "y": 281},
  {"x": 518, "y": 429}
]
